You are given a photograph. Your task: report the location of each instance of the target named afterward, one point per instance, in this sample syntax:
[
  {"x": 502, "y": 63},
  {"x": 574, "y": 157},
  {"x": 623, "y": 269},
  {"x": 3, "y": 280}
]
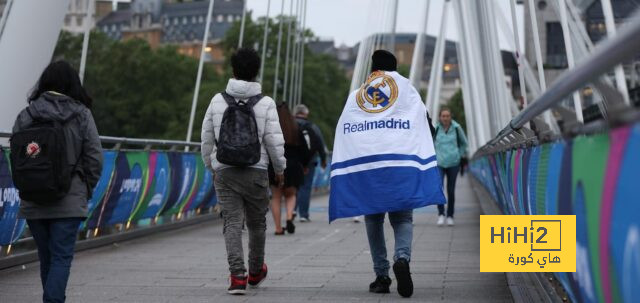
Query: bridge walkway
[{"x": 320, "y": 262}]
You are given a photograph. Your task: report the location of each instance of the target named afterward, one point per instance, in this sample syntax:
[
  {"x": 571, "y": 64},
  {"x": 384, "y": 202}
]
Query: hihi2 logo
[{"x": 527, "y": 243}]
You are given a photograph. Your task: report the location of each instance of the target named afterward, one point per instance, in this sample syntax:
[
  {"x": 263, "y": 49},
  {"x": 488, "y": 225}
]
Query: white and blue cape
[{"x": 383, "y": 158}]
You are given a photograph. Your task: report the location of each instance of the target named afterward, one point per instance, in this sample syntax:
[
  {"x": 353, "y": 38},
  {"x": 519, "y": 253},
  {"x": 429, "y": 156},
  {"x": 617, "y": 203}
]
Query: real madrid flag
[{"x": 383, "y": 157}]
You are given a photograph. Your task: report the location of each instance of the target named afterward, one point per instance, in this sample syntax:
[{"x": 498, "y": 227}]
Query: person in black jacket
[
  {"x": 58, "y": 96},
  {"x": 316, "y": 146}
]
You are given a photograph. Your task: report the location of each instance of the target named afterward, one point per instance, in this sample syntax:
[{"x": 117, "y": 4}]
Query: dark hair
[
  {"x": 445, "y": 108},
  {"x": 383, "y": 60},
  {"x": 245, "y": 64},
  {"x": 62, "y": 78},
  {"x": 288, "y": 124}
]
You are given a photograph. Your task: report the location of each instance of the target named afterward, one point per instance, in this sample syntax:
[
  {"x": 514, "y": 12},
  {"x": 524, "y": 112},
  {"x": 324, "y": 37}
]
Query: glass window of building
[
  {"x": 184, "y": 20},
  {"x": 201, "y": 19},
  {"x": 220, "y": 18},
  {"x": 556, "y": 54},
  {"x": 230, "y": 18}
]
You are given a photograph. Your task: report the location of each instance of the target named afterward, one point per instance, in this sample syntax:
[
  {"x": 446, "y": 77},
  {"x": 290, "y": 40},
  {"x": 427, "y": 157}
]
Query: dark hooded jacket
[{"x": 83, "y": 142}]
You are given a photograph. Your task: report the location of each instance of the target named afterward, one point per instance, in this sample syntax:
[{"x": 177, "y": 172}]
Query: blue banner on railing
[
  {"x": 596, "y": 179},
  {"x": 10, "y": 226},
  {"x": 134, "y": 185}
]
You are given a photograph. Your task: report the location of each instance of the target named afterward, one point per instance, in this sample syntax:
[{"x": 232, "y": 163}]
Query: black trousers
[{"x": 451, "y": 173}]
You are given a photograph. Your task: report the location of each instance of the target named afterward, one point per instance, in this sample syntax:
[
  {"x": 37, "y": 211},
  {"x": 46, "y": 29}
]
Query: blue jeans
[
  {"x": 402, "y": 223},
  {"x": 303, "y": 198},
  {"x": 55, "y": 239},
  {"x": 452, "y": 174}
]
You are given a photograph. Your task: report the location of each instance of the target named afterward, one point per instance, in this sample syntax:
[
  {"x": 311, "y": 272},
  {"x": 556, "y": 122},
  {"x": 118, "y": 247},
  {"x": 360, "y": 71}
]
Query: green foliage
[
  {"x": 138, "y": 91},
  {"x": 457, "y": 109},
  {"x": 147, "y": 93},
  {"x": 404, "y": 70}
]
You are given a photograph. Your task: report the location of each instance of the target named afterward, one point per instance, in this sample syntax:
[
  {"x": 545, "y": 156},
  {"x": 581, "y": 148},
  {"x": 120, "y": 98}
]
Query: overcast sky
[{"x": 347, "y": 21}]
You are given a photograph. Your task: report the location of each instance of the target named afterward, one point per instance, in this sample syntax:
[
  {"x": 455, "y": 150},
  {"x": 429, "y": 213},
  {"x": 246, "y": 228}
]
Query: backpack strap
[
  {"x": 457, "y": 138},
  {"x": 254, "y": 100},
  {"x": 227, "y": 98}
]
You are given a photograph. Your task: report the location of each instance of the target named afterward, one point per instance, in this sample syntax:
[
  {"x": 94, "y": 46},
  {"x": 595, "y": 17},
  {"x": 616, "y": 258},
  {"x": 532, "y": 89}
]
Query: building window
[
  {"x": 230, "y": 18},
  {"x": 113, "y": 28},
  {"x": 194, "y": 20},
  {"x": 105, "y": 28},
  {"x": 184, "y": 20},
  {"x": 220, "y": 18},
  {"x": 556, "y": 54},
  {"x": 166, "y": 22},
  {"x": 238, "y": 18},
  {"x": 201, "y": 19},
  {"x": 175, "y": 21}
]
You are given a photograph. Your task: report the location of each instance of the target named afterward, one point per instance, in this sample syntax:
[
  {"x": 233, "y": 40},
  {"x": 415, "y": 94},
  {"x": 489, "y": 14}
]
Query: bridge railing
[
  {"x": 622, "y": 47},
  {"x": 591, "y": 173},
  {"x": 139, "y": 187}
]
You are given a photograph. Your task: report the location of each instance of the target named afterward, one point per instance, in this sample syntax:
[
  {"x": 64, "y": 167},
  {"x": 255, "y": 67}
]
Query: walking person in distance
[
  {"x": 297, "y": 155},
  {"x": 313, "y": 138},
  {"x": 451, "y": 149}
]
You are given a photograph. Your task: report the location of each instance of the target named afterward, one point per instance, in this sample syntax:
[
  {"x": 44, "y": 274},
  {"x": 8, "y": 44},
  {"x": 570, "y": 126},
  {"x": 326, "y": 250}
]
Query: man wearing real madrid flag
[{"x": 384, "y": 162}]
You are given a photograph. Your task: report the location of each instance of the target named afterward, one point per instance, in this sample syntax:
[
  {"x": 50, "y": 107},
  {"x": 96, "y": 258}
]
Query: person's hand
[
  {"x": 280, "y": 180},
  {"x": 324, "y": 164}
]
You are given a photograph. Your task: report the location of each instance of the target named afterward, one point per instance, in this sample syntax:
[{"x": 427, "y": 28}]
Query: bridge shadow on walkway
[{"x": 320, "y": 262}]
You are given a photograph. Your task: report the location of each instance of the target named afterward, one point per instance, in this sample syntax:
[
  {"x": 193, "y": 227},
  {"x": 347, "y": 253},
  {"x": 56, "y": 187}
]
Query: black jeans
[
  {"x": 452, "y": 174},
  {"x": 56, "y": 239}
]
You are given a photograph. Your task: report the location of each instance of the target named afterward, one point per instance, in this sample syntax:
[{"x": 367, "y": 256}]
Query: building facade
[{"x": 171, "y": 22}]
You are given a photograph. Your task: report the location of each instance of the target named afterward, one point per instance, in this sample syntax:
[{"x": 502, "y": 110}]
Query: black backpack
[
  {"x": 238, "y": 143},
  {"x": 39, "y": 162},
  {"x": 310, "y": 141}
]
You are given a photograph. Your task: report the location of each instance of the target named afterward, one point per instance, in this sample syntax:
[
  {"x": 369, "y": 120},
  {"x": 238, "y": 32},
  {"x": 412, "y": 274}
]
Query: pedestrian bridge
[
  {"x": 154, "y": 235},
  {"x": 320, "y": 262}
]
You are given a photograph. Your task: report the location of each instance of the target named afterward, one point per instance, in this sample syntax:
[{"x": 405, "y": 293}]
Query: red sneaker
[
  {"x": 238, "y": 285},
  {"x": 256, "y": 279}
]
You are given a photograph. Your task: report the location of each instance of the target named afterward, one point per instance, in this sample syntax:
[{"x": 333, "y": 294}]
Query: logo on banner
[
  {"x": 378, "y": 93},
  {"x": 527, "y": 243},
  {"x": 33, "y": 150}
]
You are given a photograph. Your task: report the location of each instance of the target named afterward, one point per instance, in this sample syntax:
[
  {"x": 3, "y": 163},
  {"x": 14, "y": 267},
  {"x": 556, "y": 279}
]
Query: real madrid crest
[{"x": 378, "y": 93}]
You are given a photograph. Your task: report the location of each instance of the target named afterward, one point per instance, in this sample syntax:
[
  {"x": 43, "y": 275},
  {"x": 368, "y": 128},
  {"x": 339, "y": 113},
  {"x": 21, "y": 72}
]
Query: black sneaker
[
  {"x": 291, "y": 228},
  {"x": 403, "y": 277},
  {"x": 380, "y": 285}
]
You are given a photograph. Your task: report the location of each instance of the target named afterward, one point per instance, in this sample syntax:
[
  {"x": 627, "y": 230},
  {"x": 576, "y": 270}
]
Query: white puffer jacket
[{"x": 269, "y": 131}]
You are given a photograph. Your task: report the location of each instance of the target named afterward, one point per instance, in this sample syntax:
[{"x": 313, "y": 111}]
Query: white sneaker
[
  {"x": 357, "y": 219},
  {"x": 440, "y": 220},
  {"x": 450, "y": 221}
]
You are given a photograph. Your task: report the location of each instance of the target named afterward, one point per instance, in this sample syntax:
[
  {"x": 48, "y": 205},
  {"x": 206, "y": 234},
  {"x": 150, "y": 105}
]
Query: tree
[{"x": 138, "y": 91}]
